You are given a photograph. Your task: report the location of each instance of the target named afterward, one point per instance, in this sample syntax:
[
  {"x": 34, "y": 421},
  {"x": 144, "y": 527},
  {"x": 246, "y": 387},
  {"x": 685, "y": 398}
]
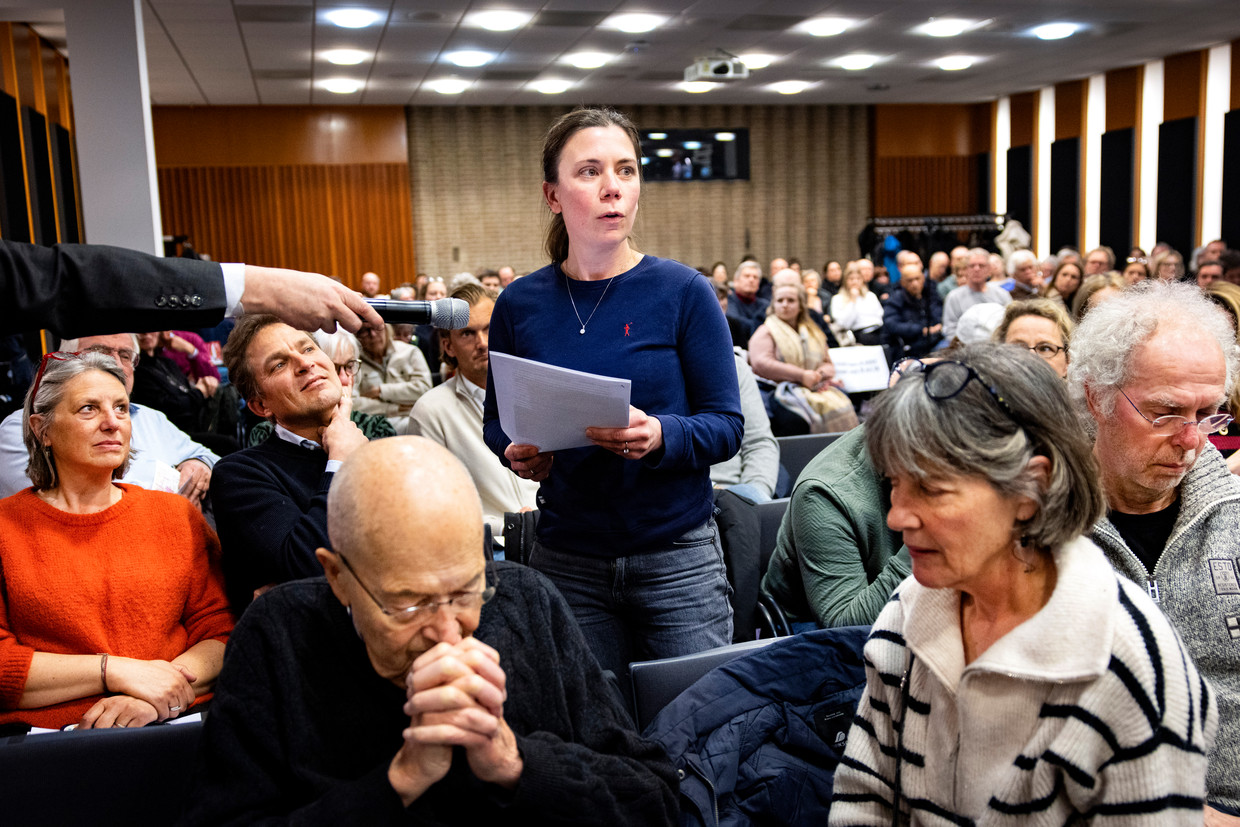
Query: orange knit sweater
[{"x": 139, "y": 580}]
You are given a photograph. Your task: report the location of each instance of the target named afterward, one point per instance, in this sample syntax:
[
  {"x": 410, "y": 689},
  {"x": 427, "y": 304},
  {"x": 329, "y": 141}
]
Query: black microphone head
[{"x": 449, "y": 314}]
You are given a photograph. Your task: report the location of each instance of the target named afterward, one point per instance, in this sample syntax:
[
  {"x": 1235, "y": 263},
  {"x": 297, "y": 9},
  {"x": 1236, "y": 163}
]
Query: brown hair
[
  {"x": 471, "y": 294},
  {"x": 239, "y": 372},
  {"x": 565, "y": 127}
]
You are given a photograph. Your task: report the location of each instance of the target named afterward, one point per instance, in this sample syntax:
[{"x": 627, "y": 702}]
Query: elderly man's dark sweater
[
  {"x": 270, "y": 505},
  {"x": 302, "y": 729}
]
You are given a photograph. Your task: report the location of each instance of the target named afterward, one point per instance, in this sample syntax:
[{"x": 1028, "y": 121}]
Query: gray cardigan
[{"x": 1196, "y": 585}]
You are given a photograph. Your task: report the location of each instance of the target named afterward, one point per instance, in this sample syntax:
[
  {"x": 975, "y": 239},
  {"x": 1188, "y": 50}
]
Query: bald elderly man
[{"x": 417, "y": 683}]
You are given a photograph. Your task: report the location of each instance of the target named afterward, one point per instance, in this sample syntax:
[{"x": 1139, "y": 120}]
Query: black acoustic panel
[
  {"x": 14, "y": 220},
  {"x": 1020, "y": 184},
  {"x": 39, "y": 170},
  {"x": 66, "y": 185},
  {"x": 982, "y": 164},
  {"x": 1065, "y": 193},
  {"x": 1177, "y": 184},
  {"x": 1118, "y": 175},
  {"x": 1231, "y": 178}
]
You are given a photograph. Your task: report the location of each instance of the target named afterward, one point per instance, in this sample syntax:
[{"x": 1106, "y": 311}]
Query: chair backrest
[
  {"x": 795, "y": 452},
  {"x": 770, "y": 516},
  {"x": 657, "y": 682},
  {"x": 99, "y": 777}
]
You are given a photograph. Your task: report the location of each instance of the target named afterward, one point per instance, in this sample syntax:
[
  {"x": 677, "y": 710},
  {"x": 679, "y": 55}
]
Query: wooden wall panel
[
  {"x": 1184, "y": 85},
  {"x": 945, "y": 185},
  {"x": 1069, "y": 109},
  {"x": 339, "y": 219},
  {"x": 1123, "y": 98},
  {"x": 931, "y": 130},
  {"x": 1024, "y": 118}
]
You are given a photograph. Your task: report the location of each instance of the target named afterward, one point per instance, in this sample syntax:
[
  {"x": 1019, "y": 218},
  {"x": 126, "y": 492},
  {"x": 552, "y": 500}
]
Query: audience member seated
[
  {"x": 1039, "y": 325},
  {"x": 1150, "y": 369},
  {"x": 913, "y": 316},
  {"x": 1096, "y": 289},
  {"x": 788, "y": 347},
  {"x": 1099, "y": 260},
  {"x": 1168, "y": 265},
  {"x": 451, "y": 414},
  {"x": 835, "y": 561},
  {"x": 1065, "y": 282},
  {"x": 976, "y": 325},
  {"x": 832, "y": 280},
  {"x": 1208, "y": 272},
  {"x": 792, "y": 277},
  {"x": 189, "y": 352},
  {"x": 1026, "y": 277},
  {"x": 392, "y": 376},
  {"x": 1227, "y": 296},
  {"x": 159, "y": 383},
  {"x": 857, "y": 309},
  {"x": 1032, "y": 682},
  {"x": 1136, "y": 269},
  {"x": 975, "y": 289},
  {"x": 959, "y": 263},
  {"x": 162, "y": 457},
  {"x": 738, "y": 329},
  {"x": 818, "y": 299},
  {"x": 753, "y": 472},
  {"x": 112, "y": 610},
  {"x": 744, "y": 305},
  {"x": 271, "y": 499},
  {"x": 345, "y": 352},
  {"x": 418, "y": 684}
]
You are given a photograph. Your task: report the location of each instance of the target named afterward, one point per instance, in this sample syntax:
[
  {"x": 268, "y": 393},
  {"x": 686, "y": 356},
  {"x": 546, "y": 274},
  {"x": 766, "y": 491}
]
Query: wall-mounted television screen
[{"x": 695, "y": 154}]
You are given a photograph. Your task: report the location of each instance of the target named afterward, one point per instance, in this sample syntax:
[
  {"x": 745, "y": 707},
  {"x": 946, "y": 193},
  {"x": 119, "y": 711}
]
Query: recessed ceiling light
[
  {"x": 588, "y": 60},
  {"x": 692, "y": 144},
  {"x": 954, "y": 63},
  {"x": 1055, "y": 31},
  {"x": 551, "y": 87},
  {"x": 697, "y": 87},
  {"x": 826, "y": 26},
  {"x": 469, "y": 58},
  {"x": 448, "y": 86},
  {"x": 790, "y": 87},
  {"x": 344, "y": 57},
  {"x": 664, "y": 153},
  {"x": 855, "y": 63},
  {"x": 501, "y": 20},
  {"x": 944, "y": 27},
  {"x": 635, "y": 23},
  {"x": 757, "y": 61},
  {"x": 353, "y": 18},
  {"x": 342, "y": 86},
  {"x": 725, "y": 136},
  {"x": 657, "y": 136}
]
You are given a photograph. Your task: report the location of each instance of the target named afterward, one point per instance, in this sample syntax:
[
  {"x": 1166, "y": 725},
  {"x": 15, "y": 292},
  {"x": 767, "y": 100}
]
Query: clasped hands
[
  {"x": 456, "y": 694},
  {"x": 146, "y": 691}
]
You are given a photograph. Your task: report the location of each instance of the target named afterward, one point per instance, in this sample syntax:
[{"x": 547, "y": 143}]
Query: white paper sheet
[
  {"x": 861, "y": 368},
  {"x": 551, "y": 407}
]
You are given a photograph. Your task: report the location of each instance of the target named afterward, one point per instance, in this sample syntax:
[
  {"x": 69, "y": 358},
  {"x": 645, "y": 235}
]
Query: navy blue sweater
[{"x": 660, "y": 326}]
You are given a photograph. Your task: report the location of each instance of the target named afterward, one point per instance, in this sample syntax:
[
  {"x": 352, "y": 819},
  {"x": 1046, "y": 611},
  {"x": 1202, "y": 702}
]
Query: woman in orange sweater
[{"x": 112, "y": 608}]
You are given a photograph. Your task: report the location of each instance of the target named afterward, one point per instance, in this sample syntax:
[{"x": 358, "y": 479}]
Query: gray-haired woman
[
  {"x": 1015, "y": 677},
  {"x": 112, "y": 611}
]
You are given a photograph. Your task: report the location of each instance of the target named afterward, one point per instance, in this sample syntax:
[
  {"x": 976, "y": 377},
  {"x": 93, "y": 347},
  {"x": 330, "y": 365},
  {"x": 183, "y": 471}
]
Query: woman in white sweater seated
[
  {"x": 1015, "y": 678},
  {"x": 855, "y": 308}
]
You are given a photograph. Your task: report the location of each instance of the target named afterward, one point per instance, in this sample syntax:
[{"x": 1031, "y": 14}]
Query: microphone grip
[{"x": 397, "y": 312}]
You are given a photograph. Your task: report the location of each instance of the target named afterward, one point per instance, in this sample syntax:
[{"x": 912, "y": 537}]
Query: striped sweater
[{"x": 1090, "y": 707}]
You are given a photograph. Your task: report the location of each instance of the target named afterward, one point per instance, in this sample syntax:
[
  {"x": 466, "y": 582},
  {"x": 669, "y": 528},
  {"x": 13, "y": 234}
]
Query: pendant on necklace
[{"x": 582, "y": 331}]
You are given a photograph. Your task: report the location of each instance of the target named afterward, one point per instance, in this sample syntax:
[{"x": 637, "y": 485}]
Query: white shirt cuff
[
  {"x": 234, "y": 287},
  {"x": 333, "y": 465}
]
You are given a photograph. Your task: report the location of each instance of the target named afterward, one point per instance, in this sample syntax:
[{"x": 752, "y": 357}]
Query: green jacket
[{"x": 835, "y": 560}]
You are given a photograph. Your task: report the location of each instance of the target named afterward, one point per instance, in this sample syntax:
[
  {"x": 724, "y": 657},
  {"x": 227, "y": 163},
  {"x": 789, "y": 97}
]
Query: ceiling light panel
[
  {"x": 499, "y": 20},
  {"x": 826, "y": 26},
  {"x": 635, "y": 23},
  {"x": 588, "y": 60},
  {"x": 855, "y": 63},
  {"x": 1055, "y": 31},
  {"x": 944, "y": 27},
  {"x": 469, "y": 58},
  {"x": 353, "y": 18},
  {"x": 344, "y": 57}
]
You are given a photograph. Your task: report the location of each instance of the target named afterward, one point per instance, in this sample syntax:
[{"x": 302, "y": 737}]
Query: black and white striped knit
[{"x": 1090, "y": 707}]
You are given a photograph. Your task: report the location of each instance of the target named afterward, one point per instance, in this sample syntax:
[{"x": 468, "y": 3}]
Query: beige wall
[{"x": 475, "y": 177}]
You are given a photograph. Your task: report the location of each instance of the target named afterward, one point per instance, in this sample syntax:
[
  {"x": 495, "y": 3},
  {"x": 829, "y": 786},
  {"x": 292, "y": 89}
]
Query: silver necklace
[{"x": 568, "y": 286}]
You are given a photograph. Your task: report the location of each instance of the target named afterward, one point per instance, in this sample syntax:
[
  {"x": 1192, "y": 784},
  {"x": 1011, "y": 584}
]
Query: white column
[
  {"x": 1151, "y": 118},
  {"x": 1218, "y": 99},
  {"x": 1003, "y": 142},
  {"x": 1045, "y": 137},
  {"x": 112, "y": 120},
  {"x": 1095, "y": 125}
]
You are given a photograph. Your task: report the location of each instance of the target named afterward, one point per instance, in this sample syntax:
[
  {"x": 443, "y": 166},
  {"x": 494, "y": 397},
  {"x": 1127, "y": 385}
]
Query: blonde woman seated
[
  {"x": 788, "y": 347},
  {"x": 857, "y": 309},
  {"x": 1041, "y": 326},
  {"x": 112, "y": 609}
]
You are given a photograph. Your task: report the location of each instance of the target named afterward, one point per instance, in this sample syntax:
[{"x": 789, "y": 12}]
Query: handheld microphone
[{"x": 445, "y": 314}]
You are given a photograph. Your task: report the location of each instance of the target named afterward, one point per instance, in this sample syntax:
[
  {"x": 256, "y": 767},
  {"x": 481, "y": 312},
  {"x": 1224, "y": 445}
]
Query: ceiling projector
[{"x": 716, "y": 69}]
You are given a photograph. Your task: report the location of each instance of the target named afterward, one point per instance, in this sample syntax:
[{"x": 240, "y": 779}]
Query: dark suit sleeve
[{"x": 83, "y": 289}]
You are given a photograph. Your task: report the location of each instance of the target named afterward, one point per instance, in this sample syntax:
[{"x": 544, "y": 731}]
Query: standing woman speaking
[{"x": 625, "y": 528}]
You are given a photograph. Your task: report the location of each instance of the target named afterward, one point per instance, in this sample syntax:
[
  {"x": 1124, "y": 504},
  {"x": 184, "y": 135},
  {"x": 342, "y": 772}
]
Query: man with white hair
[
  {"x": 1150, "y": 369},
  {"x": 975, "y": 289},
  {"x": 164, "y": 457},
  {"x": 1022, "y": 267}
]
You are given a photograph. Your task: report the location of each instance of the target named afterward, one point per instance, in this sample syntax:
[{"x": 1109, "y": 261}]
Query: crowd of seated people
[{"x": 849, "y": 541}]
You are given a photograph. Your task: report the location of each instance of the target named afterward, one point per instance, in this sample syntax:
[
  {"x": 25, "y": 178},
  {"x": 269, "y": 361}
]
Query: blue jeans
[{"x": 646, "y": 606}]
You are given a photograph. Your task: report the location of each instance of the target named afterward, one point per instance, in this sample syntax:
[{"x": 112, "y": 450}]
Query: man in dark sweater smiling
[
  {"x": 271, "y": 500},
  {"x": 388, "y": 693}
]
